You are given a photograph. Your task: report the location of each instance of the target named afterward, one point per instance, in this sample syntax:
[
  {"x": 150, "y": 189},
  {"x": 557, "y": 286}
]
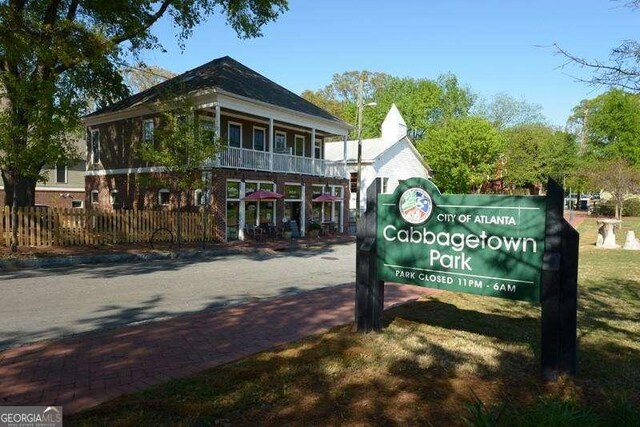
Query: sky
[{"x": 492, "y": 46}]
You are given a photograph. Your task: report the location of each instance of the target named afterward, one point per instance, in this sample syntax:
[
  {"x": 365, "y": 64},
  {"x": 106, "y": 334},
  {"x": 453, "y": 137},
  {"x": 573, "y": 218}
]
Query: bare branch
[{"x": 151, "y": 19}]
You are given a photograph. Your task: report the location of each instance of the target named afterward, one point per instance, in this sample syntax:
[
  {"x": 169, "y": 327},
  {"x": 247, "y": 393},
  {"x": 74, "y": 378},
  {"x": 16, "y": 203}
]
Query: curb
[
  {"x": 16, "y": 264},
  {"x": 109, "y": 258}
]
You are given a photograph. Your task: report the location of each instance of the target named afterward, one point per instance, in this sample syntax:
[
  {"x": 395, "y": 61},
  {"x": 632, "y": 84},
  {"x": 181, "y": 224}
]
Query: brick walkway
[
  {"x": 578, "y": 218},
  {"x": 83, "y": 371}
]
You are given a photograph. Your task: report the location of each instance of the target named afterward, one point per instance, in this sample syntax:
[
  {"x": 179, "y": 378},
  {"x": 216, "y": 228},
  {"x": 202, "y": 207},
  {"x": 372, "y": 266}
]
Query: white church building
[{"x": 391, "y": 157}]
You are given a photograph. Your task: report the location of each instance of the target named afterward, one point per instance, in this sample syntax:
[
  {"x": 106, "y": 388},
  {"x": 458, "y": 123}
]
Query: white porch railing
[{"x": 242, "y": 158}]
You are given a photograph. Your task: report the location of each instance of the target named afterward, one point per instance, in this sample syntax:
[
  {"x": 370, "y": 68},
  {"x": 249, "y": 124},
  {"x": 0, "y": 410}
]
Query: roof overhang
[{"x": 231, "y": 101}]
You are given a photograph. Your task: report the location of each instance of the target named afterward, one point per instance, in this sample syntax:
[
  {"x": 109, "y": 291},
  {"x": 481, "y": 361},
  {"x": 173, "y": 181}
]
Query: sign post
[
  {"x": 514, "y": 247},
  {"x": 559, "y": 297},
  {"x": 369, "y": 290}
]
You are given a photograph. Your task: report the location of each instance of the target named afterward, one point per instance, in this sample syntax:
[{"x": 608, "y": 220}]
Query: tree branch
[
  {"x": 52, "y": 12},
  {"x": 73, "y": 9},
  {"x": 151, "y": 19}
]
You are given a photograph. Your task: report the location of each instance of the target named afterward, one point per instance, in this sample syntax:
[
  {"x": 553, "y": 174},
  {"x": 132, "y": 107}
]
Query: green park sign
[
  {"x": 519, "y": 248},
  {"x": 479, "y": 244}
]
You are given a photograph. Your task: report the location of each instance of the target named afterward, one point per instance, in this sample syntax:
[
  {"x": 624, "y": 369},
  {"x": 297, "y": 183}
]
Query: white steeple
[{"x": 393, "y": 128}]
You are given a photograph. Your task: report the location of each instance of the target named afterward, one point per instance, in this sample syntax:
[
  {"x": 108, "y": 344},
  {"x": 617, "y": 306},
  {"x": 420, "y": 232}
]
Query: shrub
[
  {"x": 607, "y": 208},
  {"x": 631, "y": 207},
  {"x": 314, "y": 226}
]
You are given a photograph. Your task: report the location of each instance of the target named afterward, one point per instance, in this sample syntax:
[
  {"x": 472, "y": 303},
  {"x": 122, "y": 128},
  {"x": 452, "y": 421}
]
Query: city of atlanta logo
[{"x": 415, "y": 205}]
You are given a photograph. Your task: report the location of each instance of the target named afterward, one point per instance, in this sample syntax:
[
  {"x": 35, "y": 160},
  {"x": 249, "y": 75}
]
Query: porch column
[
  {"x": 241, "y": 217},
  {"x": 218, "y": 125},
  {"x": 345, "y": 148},
  {"x": 313, "y": 151},
  {"x": 271, "y": 144},
  {"x": 303, "y": 219}
]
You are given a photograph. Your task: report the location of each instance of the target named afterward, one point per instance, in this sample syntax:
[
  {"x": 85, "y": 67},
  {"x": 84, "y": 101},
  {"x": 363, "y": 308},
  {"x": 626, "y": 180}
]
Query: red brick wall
[
  {"x": 54, "y": 199},
  {"x": 132, "y": 195}
]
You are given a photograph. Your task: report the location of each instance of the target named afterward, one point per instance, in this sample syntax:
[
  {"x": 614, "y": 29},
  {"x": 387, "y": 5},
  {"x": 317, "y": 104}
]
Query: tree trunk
[{"x": 20, "y": 190}]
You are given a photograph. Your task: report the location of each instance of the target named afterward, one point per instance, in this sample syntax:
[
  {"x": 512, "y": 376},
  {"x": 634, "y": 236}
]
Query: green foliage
[
  {"x": 610, "y": 123},
  {"x": 481, "y": 415},
  {"x": 606, "y": 209},
  {"x": 631, "y": 207},
  {"x": 616, "y": 176},
  {"x": 56, "y": 57},
  {"x": 463, "y": 153},
  {"x": 314, "y": 226},
  {"x": 180, "y": 144},
  {"x": 536, "y": 152},
  {"x": 422, "y": 102},
  {"x": 554, "y": 412}
]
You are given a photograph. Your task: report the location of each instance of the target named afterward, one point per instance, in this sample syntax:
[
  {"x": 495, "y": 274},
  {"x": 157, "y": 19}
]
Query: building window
[
  {"x": 280, "y": 142},
  {"x": 233, "y": 190},
  {"x": 115, "y": 198},
  {"x": 293, "y": 191},
  {"x": 299, "y": 146},
  {"x": 353, "y": 181},
  {"x": 147, "y": 131},
  {"x": 163, "y": 197},
  {"x": 201, "y": 197},
  {"x": 95, "y": 146},
  {"x": 94, "y": 197},
  {"x": 61, "y": 174},
  {"x": 235, "y": 135},
  {"x": 317, "y": 147},
  {"x": 258, "y": 139},
  {"x": 76, "y": 204},
  {"x": 233, "y": 209}
]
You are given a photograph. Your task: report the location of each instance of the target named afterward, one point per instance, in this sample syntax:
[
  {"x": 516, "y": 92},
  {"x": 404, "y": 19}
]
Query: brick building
[
  {"x": 64, "y": 187},
  {"x": 274, "y": 140}
]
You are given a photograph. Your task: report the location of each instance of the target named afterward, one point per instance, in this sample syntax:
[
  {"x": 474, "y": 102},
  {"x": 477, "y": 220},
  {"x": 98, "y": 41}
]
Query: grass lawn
[{"x": 444, "y": 360}]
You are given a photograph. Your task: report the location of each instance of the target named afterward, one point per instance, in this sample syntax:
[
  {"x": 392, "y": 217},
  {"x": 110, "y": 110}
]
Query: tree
[
  {"x": 463, "y": 153},
  {"x": 142, "y": 76},
  {"x": 455, "y": 101},
  {"x": 505, "y": 111},
  {"x": 621, "y": 70},
  {"x": 57, "y": 54},
  {"x": 181, "y": 144},
  {"x": 535, "y": 152},
  {"x": 340, "y": 96},
  {"x": 610, "y": 125},
  {"x": 422, "y": 102},
  {"x": 616, "y": 176}
]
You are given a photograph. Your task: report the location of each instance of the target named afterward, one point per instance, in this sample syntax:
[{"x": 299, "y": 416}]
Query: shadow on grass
[{"x": 420, "y": 370}]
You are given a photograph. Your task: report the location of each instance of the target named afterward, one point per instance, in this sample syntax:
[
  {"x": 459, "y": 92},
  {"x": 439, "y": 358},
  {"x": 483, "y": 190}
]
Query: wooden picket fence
[{"x": 41, "y": 226}]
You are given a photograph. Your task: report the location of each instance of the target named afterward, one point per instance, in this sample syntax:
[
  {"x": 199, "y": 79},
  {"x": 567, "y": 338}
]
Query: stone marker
[
  {"x": 631, "y": 243},
  {"x": 606, "y": 234}
]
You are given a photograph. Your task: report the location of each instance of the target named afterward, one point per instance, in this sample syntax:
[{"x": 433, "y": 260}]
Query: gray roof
[{"x": 228, "y": 75}]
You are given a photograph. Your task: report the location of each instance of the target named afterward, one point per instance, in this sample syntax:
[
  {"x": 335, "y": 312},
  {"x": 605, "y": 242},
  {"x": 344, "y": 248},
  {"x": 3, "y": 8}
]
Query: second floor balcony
[{"x": 243, "y": 158}]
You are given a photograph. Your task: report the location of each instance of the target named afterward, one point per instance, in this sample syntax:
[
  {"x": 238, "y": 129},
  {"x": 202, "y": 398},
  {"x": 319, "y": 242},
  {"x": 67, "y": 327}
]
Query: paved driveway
[{"x": 50, "y": 303}]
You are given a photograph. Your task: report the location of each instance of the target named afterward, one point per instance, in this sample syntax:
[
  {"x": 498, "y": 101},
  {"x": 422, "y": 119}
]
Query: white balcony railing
[{"x": 242, "y": 158}]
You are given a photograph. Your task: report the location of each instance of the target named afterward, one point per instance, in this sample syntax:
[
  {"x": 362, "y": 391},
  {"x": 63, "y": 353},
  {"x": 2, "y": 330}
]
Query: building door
[{"x": 293, "y": 209}]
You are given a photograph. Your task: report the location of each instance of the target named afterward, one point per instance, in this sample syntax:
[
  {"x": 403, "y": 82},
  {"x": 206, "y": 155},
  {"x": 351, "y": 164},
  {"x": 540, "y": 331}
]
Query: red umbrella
[
  {"x": 326, "y": 198},
  {"x": 264, "y": 195}
]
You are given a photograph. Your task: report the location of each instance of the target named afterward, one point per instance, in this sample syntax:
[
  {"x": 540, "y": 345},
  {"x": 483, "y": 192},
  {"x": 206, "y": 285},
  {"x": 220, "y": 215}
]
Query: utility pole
[
  {"x": 361, "y": 105},
  {"x": 359, "y": 130}
]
